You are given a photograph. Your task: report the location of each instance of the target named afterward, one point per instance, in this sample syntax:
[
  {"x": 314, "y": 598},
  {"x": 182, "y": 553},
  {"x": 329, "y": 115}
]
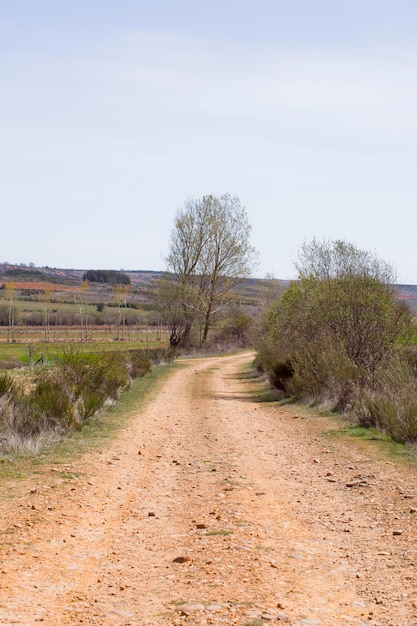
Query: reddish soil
[
  {"x": 211, "y": 508},
  {"x": 40, "y": 286}
]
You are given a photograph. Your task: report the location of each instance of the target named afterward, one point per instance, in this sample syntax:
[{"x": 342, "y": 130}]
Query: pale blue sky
[{"x": 114, "y": 113}]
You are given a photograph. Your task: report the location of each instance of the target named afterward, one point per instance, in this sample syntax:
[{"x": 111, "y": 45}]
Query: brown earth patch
[{"x": 40, "y": 286}]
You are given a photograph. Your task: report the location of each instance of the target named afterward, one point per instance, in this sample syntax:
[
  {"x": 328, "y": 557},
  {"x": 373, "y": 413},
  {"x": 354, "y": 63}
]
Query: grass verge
[
  {"x": 377, "y": 441},
  {"x": 335, "y": 425}
]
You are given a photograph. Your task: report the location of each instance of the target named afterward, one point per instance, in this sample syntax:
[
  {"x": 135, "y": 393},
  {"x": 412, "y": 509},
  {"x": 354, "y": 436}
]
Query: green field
[{"x": 28, "y": 352}]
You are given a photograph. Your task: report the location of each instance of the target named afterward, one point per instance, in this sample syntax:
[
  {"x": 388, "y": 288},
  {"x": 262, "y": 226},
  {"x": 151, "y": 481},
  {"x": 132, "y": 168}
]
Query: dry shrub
[
  {"x": 333, "y": 337},
  {"x": 323, "y": 372},
  {"x": 140, "y": 364},
  {"x": 61, "y": 397},
  {"x": 391, "y": 404}
]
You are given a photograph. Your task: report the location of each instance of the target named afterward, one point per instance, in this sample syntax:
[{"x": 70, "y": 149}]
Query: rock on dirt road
[{"x": 211, "y": 508}]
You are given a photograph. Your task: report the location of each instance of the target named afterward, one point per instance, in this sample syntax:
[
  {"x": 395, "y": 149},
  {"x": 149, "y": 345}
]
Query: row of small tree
[{"x": 10, "y": 316}]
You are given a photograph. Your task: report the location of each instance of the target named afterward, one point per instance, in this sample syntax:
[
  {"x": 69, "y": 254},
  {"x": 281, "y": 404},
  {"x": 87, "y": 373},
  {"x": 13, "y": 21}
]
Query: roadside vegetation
[
  {"x": 40, "y": 405},
  {"x": 338, "y": 337}
]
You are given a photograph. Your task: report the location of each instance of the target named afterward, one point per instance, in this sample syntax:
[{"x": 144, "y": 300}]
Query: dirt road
[{"x": 211, "y": 508}]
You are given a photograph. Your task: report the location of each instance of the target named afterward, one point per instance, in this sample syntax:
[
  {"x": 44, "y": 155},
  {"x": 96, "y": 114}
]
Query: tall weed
[{"x": 391, "y": 404}]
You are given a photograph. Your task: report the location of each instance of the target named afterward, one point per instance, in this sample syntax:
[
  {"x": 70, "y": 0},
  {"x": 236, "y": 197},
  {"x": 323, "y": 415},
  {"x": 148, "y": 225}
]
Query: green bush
[
  {"x": 50, "y": 402},
  {"x": 64, "y": 395},
  {"x": 322, "y": 372},
  {"x": 105, "y": 372},
  {"x": 73, "y": 388},
  {"x": 391, "y": 404},
  {"x": 115, "y": 373},
  {"x": 328, "y": 335},
  {"x": 90, "y": 403},
  {"x": 140, "y": 364}
]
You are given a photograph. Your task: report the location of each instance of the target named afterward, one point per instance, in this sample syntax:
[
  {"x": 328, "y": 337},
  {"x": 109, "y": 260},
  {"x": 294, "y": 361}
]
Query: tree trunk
[{"x": 206, "y": 325}]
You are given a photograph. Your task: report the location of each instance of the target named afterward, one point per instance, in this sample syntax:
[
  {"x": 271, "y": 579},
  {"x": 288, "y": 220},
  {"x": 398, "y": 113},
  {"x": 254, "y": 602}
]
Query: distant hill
[
  {"x": 142, "y": 279},
  {"x": 408, "y": 294}
]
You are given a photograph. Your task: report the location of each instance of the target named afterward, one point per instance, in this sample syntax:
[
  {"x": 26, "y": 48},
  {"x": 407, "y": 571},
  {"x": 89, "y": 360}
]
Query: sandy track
[{"x": 275, "y": 521}]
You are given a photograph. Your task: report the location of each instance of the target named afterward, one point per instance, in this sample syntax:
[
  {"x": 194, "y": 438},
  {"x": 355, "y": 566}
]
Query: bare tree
[
  {"x": 121, "y": 292},
  {"x": 327, "y": 260},
  {"x": 210, "y": 255},
  {"x": 9, "y": 294},
  {"x": 47, "y": 310},
  {"x": 173, "y": 313}
]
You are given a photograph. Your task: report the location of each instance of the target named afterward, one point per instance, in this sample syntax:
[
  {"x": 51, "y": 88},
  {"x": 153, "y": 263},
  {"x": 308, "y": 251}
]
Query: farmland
[
  {"x": 49, "y": 305},
  {"x": 53, "y": 305}
]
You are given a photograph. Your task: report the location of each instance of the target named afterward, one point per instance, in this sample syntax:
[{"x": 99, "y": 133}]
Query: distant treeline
[
  {"x": 111, "y": 277},
  {"x": 19, "y": 272}
]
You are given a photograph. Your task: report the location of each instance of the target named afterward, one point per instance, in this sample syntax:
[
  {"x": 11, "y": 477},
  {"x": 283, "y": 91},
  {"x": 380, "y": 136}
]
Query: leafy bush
[
  {"x": 51, "y": 402},
  {"x": 391, "y": 404},
  {"x": 63, "y": 395},
  {"x": 234, "y": 332},
  {"x": 90, "y": 403},
  {"x": 140, "y": 363},
  {"x": 325, "y": 339},
  {"x": 114, "y": 373}
]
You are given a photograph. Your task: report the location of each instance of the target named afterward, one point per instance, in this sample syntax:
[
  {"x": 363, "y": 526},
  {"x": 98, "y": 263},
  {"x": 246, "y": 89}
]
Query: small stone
[
  {"x": 151, "y": 514},
  {"x": 413, "y": 509},
  {"x": 201, "y": 526},
  {"x": 181, "y": 559},
  {"x": 397, "y": 532}
]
